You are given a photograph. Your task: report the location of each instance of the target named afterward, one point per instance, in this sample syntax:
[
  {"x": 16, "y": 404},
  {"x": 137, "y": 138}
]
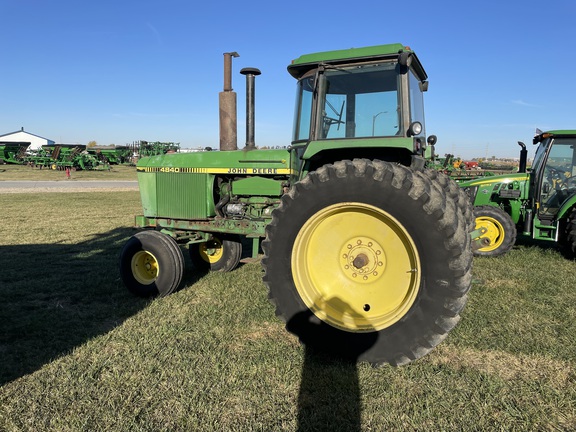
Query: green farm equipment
[
  {"x": 148, "y": 148},
  {"x": 112, "y": 155},
  {"x": 366, "y": 253},
  {"x": 13, "y": 152},
  {"x": 41, "y": 157},
  {"x": 71, "y": 156},
  {"x": 63, "y": 156},
  {"x": 539, "y": 203}
]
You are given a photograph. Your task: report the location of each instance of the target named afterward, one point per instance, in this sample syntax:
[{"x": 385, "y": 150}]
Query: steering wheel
[
  {"x": 567, "y": 183},
  {"x": 329, "y": 121},
  {"x": 554, "y": 176}
]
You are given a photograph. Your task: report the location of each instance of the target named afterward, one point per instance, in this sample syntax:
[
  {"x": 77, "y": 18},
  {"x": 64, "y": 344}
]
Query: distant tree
[{"x": 92, "y": 144}]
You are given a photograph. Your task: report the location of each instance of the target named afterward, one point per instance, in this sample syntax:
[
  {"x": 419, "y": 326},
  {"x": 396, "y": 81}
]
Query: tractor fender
[
  {"x": 566, "y": 207},
  {"x": 319, "y": 153}
]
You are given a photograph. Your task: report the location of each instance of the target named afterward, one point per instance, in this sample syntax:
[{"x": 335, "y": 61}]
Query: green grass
[
  {"x": 21, "y": 172},
  {"x": 77, "y": 352}
]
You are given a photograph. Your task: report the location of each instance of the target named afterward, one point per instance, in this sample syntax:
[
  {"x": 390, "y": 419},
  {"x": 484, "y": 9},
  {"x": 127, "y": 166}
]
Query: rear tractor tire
[
  {"x": 151, "y": 264},
  {"x": 219, "y": 254},
  {"x": 500, "y": 230},
  {"x": 368, "y": 260},
  {"x": 454, "y": 192}
]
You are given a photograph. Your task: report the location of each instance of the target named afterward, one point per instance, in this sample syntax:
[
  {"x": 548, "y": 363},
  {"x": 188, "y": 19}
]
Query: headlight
[{"x": 415, "y": 129}]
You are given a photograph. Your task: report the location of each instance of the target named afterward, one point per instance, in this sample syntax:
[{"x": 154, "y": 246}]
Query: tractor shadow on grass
[
  {"x": 527, "y": 242},
  {"x": 542, "y": 244},
  {"x": 55, "y": 297},
  {"x": 329, "y": 396}
]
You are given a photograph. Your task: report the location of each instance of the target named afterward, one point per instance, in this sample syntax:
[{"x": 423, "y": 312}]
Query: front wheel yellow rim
[
  {"x": 212, "y": 251},
  {"x": 144, "y": 267},
  {"x": 356, "y": 267},
  {"x": 494, "y": 232}
]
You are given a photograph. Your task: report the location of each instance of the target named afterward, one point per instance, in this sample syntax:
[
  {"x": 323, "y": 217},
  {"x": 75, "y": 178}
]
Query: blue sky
[{"x": 119, "y": 71}]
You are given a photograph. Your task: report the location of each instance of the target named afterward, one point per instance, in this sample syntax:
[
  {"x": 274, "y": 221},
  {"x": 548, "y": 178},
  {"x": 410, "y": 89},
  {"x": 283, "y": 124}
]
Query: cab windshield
[{"x": 355, "y": 102}]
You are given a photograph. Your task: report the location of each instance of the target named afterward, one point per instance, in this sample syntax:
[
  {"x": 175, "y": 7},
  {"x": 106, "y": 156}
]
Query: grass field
[{"x": 78, "y": 353}]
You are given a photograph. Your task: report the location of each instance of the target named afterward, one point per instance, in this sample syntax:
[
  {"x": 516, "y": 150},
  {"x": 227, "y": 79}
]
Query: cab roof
[
  {"x": 307, "y": 62},
  {"x": 552, "y": 133}
]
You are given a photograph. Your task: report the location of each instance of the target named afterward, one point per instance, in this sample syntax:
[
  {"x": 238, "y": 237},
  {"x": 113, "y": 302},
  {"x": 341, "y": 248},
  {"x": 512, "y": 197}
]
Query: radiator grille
[{"x": 182, "y": 196}]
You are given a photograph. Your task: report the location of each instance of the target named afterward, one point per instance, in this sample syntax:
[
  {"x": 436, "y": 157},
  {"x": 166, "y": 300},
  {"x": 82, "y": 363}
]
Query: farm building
[{"x": 23, "y": 136}]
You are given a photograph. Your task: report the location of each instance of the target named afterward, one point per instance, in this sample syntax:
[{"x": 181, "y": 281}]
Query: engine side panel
[{"x": 182, "y": 185}]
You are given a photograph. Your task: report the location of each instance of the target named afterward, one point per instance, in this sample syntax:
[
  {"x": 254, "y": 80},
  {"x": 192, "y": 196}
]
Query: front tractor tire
[
  {"x": 368, "y": 260},
  {"x": 151, "y": 264},
  {"x": 219, "y": 254},
  {"x": 500, "y": 231},
  {"x": 568, "y": 235}
]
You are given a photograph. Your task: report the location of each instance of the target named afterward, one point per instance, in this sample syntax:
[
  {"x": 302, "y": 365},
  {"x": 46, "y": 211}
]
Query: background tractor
[
  {"x": 539, "y": 203},
  {"x": 366, "y": 254}
]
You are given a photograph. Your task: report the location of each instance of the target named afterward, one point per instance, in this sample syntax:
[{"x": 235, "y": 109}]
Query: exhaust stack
[
  {"x": 523, "y": 157},
  {"x": 250, "y": 73},
  {"x": 227, "y": 100}
]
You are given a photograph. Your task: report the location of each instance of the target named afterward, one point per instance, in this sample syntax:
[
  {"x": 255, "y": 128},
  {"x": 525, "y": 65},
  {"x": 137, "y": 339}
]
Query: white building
[{"x": 22, "y": 136}]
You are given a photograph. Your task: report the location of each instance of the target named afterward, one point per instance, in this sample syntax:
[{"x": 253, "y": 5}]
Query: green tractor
[
  {"x": 366, "y": 253},
  {"x": 539, "y": 203}
]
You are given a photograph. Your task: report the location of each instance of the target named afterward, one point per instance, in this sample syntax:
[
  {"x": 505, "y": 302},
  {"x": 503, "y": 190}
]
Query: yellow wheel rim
[
  {"x": 494, "y": 232},
  {"x": 356, "y": 267},
  {"x": 144, "y": 267},
  {"x": 212, "y": 251}
]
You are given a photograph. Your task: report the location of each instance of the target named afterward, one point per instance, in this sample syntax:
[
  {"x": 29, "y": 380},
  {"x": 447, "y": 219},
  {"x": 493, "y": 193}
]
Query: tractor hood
[
  {"x": 183, "y": 185},
  {"x": 488, "y": 190},
  {"x": 491, "y": 180}
]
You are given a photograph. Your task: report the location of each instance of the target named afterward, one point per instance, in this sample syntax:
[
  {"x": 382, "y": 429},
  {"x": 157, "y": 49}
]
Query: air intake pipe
[{"x": 250, "y": 73}]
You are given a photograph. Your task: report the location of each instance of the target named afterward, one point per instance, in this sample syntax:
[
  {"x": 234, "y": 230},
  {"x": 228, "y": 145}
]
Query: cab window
[{"x": 559, "y": 177}]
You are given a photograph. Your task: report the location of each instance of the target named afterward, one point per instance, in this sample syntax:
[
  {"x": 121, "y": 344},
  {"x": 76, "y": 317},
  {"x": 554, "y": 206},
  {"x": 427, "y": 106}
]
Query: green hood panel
[
  {"x": 253, "y": 162},
  {"x": 506, "y": 178},
  {"x": 494, "y": 190}
]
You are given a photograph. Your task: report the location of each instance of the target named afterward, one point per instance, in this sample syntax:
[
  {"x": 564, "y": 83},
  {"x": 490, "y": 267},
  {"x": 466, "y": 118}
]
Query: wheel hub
[
  {"x": 362, "y": 259},
  {"x": 211, "y": 251},
  {"x": 145, "y": 267},
  {"x": 493, "y": 232}
]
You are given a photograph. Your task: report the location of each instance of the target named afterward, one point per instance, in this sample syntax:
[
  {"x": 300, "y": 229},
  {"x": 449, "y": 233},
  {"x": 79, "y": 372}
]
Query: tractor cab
[
  {"x": 359, "y": 103},
  {"x": 553, "y": 179}
]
